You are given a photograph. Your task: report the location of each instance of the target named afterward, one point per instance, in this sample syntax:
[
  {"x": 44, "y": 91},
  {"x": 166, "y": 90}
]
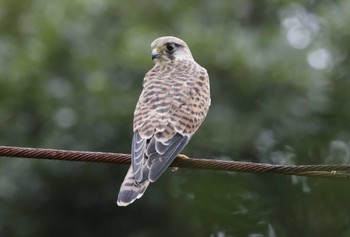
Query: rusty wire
[{"x": 339, "y": 171}]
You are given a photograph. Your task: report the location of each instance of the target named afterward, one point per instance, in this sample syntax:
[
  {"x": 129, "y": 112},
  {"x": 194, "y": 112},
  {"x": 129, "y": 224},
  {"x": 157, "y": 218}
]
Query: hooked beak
[{"x": 155, "y": 53}]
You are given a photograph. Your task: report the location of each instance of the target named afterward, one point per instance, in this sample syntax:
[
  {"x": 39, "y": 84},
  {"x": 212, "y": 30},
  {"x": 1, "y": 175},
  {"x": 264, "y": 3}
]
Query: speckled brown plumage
[
  {"x": 175, "y": 99},
  {"x": 173, "y": 104}
]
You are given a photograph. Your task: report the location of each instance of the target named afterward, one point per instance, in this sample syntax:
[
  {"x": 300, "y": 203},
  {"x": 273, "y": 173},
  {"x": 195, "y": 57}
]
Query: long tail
[{"x": 131, "y": 190}]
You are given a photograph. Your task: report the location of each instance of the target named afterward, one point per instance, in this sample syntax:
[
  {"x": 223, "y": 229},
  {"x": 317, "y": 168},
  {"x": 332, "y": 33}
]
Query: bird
[{"x": 173, "y": 104}]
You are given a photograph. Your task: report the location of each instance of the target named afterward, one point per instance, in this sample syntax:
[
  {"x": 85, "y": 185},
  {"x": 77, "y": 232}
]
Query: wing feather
[
  {"x": 138, "y": 148},
  {"x": 160, "y": 161}
]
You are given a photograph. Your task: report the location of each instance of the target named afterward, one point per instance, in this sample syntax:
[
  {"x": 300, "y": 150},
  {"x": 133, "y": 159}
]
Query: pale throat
[{"x": 182, "y": 54}]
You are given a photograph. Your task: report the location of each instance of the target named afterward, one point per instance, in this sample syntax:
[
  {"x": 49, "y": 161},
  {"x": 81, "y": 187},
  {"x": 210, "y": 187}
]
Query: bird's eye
[{"x": 170, "y": 47}]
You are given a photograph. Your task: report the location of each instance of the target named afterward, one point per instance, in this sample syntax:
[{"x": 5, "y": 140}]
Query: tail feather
[{"x": 131, "y": 190}]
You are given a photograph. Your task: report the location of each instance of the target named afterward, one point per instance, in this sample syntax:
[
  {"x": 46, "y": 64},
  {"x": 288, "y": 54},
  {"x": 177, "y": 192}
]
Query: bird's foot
[
  {"x": 179, "y": 156},
  {"x": 182, "y": 156}
]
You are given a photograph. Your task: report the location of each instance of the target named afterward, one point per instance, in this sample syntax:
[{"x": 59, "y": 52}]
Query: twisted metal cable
[{"x": 339, "y": 171}]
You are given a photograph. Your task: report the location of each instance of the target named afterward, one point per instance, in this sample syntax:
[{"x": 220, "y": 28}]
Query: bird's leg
[{"x": 179, "y": 156}]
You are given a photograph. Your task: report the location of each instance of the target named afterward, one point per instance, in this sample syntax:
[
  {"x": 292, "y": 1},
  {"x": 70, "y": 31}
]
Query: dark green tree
[{"x": 70, "y": 76}]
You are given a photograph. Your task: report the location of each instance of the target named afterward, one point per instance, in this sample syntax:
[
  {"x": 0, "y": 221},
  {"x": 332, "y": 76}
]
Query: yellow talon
[
  {"x": 182, "y": 156},
  {"x": 179, "y": 156}
]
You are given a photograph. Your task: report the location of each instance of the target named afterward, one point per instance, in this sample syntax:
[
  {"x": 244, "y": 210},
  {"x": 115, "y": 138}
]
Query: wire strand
[{"x": 334, "y": 170}]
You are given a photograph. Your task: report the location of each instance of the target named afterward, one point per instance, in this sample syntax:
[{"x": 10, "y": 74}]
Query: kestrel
[{"x": 173, "y": 104}]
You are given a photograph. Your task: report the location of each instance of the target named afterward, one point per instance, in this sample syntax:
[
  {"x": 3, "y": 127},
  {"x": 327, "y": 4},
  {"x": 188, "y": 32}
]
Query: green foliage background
[{"x": 70, "y": 76}]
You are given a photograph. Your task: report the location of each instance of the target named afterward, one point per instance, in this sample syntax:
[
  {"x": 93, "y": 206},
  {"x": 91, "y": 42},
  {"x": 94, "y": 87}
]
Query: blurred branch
[{"x": 339, "y": 171}]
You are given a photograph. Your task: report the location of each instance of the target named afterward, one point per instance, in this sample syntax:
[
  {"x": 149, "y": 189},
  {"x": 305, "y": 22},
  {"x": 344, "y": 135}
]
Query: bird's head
[{"x": 169, "y": 48}]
